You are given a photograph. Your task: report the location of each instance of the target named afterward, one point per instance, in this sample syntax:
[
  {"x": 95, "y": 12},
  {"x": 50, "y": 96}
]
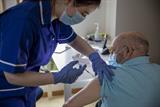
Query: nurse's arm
[
  {"x": 82, "y": 46},
  {"x": 87, "y": 95},
  {"x": 30, "y": 79}
]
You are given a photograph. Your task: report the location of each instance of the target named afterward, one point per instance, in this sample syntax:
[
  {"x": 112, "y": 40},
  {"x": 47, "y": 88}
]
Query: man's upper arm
[{"x": 89, "y": 94}]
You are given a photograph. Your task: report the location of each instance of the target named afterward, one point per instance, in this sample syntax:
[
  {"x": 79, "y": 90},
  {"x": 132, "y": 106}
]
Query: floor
[{"x": 57, "y": 101}]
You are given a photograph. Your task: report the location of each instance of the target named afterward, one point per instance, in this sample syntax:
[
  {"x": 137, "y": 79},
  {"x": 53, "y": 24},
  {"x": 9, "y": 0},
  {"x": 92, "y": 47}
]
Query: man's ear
[{"x": 127, "y": 53}]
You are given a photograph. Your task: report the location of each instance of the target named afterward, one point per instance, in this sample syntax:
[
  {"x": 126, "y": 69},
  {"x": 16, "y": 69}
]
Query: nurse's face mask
[
  {"x": 112, "y": 59},
  {"x": 73, "y": 19}
]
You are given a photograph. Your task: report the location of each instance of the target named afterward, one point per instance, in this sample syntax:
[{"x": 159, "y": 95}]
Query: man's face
[{"x": 119, "y": 50}]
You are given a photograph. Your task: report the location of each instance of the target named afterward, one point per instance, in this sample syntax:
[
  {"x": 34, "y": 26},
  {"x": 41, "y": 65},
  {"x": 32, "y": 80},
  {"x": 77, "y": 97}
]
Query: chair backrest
[{"x": 98, "y": 104}]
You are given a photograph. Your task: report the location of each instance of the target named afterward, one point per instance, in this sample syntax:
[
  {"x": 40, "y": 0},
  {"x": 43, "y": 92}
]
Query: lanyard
[
  {"x": 50, "y": 29},
  {"x": 41, "y": 12}
]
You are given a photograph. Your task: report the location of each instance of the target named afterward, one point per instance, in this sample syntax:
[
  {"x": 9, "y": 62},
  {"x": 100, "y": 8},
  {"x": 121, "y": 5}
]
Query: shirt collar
[
  {"x": 45, "y": 11},
  {"x": 138, "y": 60}
]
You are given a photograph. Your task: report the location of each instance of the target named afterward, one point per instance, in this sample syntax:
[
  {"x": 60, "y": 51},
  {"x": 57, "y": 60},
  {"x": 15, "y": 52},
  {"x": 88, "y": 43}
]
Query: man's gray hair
[{"x": 137, "y": 39}]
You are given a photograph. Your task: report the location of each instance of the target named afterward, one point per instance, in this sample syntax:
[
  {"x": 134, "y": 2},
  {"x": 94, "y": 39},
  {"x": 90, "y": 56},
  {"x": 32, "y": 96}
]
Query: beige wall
[
  {"x": 144, "y": 16},
  {"x": 9, "y": 3}
]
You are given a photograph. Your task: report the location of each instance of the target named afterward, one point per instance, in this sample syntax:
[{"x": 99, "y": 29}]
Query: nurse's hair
[
  {"x": 87, "y": 2},
  {"x": 81, "y": 2}
]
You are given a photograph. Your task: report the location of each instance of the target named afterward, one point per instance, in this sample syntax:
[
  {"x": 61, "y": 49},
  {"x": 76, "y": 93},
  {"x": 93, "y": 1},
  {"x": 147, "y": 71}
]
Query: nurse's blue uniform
[{"x": 28, "y": 39}]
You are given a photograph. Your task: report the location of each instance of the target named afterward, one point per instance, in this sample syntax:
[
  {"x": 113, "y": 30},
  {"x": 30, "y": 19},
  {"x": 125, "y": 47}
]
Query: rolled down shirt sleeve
[{"x": 15, "y": 44}]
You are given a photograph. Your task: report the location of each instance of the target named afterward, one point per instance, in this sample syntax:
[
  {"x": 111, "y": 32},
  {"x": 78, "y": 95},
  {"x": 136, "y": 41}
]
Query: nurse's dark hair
[
  {"x": 87, "y": 2},
  {"x": 81, "y": 2}
]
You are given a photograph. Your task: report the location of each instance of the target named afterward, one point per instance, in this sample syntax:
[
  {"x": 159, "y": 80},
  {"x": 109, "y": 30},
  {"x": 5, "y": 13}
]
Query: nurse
[{"x": 29, "y": 34}]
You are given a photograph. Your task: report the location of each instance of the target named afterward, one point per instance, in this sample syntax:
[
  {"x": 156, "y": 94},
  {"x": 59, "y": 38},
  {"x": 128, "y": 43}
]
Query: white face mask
[
  {"x": 112, "y": 59},
  {"x": 71, "y": 20}
]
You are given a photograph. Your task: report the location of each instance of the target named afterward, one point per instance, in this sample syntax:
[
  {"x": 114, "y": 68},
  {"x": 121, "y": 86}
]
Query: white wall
[
  {"x": 143, "y": 16},
  {"x": 110, "y": 19}
]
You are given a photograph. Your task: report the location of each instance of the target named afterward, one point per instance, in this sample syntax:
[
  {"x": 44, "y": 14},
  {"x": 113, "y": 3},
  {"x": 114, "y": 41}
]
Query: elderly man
[{"x": 136, "y": 82}]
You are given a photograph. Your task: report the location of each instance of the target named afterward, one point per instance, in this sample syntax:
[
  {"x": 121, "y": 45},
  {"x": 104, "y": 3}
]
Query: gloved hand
[
  {"x": 100, "y": 67},
  {"x": 68, "y": 74}
]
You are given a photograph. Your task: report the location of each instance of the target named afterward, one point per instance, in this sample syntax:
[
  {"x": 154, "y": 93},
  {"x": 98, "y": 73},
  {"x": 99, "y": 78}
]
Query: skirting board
[{"x": 60, "y": 92}]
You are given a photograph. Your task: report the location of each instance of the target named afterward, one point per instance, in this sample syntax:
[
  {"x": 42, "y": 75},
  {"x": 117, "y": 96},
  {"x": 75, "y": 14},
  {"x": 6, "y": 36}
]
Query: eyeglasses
[{"x": 111, "y": 51}]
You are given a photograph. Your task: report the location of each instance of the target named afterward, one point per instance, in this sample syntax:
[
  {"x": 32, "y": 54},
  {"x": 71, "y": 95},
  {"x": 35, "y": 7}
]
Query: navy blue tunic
[{"x": 28, "y": 38}]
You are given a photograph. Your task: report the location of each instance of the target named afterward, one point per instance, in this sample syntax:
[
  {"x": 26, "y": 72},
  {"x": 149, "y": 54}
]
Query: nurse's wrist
[{"x": 55, "y": 76}]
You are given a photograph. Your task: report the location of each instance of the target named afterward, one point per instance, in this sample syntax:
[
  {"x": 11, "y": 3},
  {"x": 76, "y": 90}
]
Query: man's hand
[{"x": 68, "y": 74}]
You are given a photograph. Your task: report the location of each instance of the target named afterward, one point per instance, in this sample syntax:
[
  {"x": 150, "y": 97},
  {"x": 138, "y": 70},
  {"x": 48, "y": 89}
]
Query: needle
[
  {"x": 89, "y": 73},
  {"x": 87, "y": 70}
]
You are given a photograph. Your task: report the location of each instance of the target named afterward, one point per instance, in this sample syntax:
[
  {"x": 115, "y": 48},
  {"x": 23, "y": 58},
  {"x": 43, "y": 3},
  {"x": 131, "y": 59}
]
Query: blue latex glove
[
  {"x": 100, "y": 67},
  {"x": 68, "y": 74}
]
